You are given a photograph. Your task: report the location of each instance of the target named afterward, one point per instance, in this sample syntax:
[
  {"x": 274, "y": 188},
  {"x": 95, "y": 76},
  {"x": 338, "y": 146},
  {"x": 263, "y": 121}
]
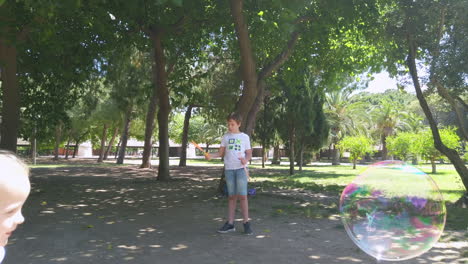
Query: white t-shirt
[
  {"x": 2, "y": 254},
  {"x": 236, "y": 145}
]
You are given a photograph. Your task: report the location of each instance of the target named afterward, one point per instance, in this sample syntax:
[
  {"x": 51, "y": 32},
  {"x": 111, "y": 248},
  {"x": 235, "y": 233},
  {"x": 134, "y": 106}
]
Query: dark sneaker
[
  {"x": 247, "y": 229},
  {"x": 227, "y": 228}
]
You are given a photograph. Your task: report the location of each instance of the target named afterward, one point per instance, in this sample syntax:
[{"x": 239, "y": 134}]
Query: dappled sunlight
[
  {"x": 62, "y": 259},
  {"x": 155, "y": 246},
  {"x": 350, "y": 259},
  {"x": 121, "y": 214},
  {"x": 179, "y": 247},
  {"x": 127, "y": 247}
]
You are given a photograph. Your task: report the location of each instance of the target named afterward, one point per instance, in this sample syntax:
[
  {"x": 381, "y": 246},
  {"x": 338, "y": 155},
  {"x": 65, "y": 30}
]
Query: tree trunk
[
  {"x": 111, "y": 142},
  {"x": 248, "y": 66},
  {"x": 354, "y": 164},
  {"x": 58, "y": 135},
  {"x": 164, "y": 105},
  {"x": 183, "y": 156},
  {"x": 301, "y": 158},
  {"x": 433, "y": 164},
  {"x": 291, "y": 149},
  {"x": 263, "y": 155},
  {"x": 384, "y": 148},
  {"x": 118, "y": 148},
  {"x": 123, "y": 146},
  {"x": 75, "y": 150},
  {"x": 250, "y": 119},
  {"x": 103, "y": 143},
  {"x": 335, "y": 155},
  {"x": 150, "y": 119},
  {"x": 450, "y": 153},
  {"x": 444, "y": 93},
  {"x": 460, "y": 116},
  {"x": 11, "y": 96},
  {"x": 276, "y": 155},
  {"x": 34, "y": 146},
  {"x": 222, "y": 183},
  {"x": 67, "y": 149}
]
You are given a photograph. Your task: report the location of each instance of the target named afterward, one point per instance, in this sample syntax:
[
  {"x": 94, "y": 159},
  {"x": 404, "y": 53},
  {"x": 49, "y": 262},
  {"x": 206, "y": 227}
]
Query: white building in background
[{"x": 85, "y": 150}]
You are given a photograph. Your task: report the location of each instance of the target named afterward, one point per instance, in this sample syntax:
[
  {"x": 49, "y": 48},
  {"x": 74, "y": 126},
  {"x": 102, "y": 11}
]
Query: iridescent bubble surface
[{"x": 393, "y": 211}]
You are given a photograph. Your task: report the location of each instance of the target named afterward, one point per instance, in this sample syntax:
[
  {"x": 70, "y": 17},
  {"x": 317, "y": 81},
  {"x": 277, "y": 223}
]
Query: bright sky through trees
[{"x": 381, "y": 83}]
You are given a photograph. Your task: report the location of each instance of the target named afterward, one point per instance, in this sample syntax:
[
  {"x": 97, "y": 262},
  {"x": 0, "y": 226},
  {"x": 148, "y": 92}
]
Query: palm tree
[
  {"x": 388, "y": 116},
  {"x": 344, "y": 116}
]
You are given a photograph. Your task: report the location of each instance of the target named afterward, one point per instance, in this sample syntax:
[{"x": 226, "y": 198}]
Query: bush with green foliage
[
  {"x": 404, "y": 145},
  {"x": 426, "y": 143},
  {"x": 358, "y": 146}
]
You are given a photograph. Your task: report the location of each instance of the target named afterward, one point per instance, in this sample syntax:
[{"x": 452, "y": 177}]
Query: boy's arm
[
  {"x": 248, "y": 156},
  {"x": 218, "y": 154}
]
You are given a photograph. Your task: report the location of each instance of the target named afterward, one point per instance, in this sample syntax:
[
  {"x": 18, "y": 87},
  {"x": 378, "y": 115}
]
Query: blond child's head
[{"x": 14, "y": 189}]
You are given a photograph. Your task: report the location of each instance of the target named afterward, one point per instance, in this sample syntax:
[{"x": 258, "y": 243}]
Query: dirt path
[{"x": 115, "y": 215}]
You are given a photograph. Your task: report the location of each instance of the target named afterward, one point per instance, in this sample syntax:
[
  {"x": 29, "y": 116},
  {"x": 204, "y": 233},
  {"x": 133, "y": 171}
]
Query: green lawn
[{"x": 334, "y": 178}]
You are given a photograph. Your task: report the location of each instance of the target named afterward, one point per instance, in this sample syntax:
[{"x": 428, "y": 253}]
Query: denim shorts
[{"x": 236, "y": 181}]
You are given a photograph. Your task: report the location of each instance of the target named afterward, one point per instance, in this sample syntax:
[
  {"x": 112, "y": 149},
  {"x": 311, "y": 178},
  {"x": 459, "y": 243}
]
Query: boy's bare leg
[
  {"x": 244, "y": 203},
  {"x": 232, "y": 202}
]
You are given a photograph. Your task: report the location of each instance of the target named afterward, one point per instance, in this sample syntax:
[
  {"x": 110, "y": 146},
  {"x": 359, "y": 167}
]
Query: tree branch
[
  {"x": 443, "y": 92},
  {"x": 461, "y": 102},
  {"x": 286, "y": 53},
  {"x": 281, "y": 58},
  {"x": 178, "y": 26},
  {"x": 170, "y": 67}
]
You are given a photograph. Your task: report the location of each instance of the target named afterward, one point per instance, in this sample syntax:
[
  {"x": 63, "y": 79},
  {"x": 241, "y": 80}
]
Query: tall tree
[
  {"x": 269, "y": 37},
  {"x": 47, "y": 48},
  {"x": 387, "y": 117},
  {"x": 128, "y": 77},
  {"x": 174, "y": 30},
  {"x": 344, "y": 115},
  {"x": 414, "y": 37}
]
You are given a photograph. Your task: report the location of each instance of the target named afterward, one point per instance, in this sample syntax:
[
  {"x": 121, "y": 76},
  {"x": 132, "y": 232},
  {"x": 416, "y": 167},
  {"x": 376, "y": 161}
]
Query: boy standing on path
[
  {"x": 236, "y": 150},
  {"x": 14, "y": 189}
]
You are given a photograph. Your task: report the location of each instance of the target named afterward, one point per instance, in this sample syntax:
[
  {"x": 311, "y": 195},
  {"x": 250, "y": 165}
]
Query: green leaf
[
  {"x": 260, "y": 13},
  {"x": 1, "y": 2},
  {"x": 178, "y": 2}
]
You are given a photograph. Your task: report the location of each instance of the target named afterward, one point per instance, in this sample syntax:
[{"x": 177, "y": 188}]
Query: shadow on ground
[{"x": 121, "y": 214}]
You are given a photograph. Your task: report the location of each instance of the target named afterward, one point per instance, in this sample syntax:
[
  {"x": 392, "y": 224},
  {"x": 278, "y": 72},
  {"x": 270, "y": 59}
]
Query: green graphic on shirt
[{"x": 235, "y": 144}]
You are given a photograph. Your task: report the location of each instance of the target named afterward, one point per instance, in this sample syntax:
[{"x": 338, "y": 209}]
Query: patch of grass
[
  {"x": 456, "y": 218},
  {"x": 335, "y": 178},
  {"x": 464, "y": 254}
]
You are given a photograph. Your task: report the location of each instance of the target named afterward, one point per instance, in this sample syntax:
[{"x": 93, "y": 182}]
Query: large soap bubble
[{"x": 393, "y": 211}]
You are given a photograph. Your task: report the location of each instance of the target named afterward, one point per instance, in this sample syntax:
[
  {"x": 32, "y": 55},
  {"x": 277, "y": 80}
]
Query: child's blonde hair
[{"x": 9, "y": 162}]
